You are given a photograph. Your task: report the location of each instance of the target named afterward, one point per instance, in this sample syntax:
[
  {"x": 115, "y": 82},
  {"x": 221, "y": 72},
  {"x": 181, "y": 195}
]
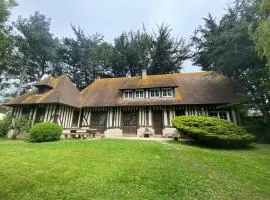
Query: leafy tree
[
  {"x": 36, "y": 48},
  {"x": 131, "y": 53},
  {"x": 262, "y": 33},
  {"x": 168, "y": 53},
  {"x": 6, "y": 41},
  {"x": 84, "y": 58},
  {"x": 227, "y": 47},
  {"x": 159, "y": 52},
  {"x": 19, "y": 126}
]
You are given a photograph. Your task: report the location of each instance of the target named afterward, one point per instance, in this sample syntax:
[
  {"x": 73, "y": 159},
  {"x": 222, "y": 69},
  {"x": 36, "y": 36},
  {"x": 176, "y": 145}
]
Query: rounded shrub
[
  {"x": 45, "y": 132},
  {"x": 213, "y": 131}
]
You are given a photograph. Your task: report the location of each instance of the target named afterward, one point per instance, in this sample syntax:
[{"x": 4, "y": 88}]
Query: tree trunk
[
  {"x": 265, "y": 116},
  {"x": 22, "y": 77}
]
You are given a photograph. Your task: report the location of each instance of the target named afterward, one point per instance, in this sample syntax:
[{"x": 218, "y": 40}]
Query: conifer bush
[
  {"x": 45, "y": 132},
  {"x": 214, "y": 131}
]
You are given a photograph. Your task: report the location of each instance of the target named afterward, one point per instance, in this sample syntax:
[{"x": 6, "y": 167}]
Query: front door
[
  {"x": 158, "y": 122},
  {"x": 99, "y": 120},
  {"x": 130, "y": 122}
]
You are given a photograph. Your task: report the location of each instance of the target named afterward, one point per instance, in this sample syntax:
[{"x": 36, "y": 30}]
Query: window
[
  {"x": 223, "y": 115},
  {"x": 128, "y": 94},
  {"x": 154, "y": 93},
  {"x": 139, "y": 94},
  {"x": 213, "y": 114},
  {"x": 220, "y": 114},
  {"x": 180, "y": 112},
  {"x": 167, "y": 92}
]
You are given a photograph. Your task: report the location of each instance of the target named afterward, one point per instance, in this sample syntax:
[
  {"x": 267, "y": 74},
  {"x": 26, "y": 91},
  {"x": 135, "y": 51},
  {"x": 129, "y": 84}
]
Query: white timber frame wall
[
  {"x": 65, "y": 114},
  {"x": 64, "y": 118},
  {"x": 145, "y": 114}
]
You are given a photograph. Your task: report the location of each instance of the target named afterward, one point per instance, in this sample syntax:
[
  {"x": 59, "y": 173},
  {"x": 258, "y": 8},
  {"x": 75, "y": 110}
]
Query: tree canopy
[
  {"x": 262, "y": 32},
  {"x": 227, "y": 47}
]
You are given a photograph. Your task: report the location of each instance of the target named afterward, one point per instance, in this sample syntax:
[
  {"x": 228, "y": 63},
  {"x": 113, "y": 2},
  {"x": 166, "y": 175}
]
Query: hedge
[
  {"x": 212, "y": 130},
  {"x": 45, "y": 132}
]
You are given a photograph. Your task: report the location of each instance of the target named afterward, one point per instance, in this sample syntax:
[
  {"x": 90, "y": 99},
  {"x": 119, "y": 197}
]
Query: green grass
[{"x": 121, "y": 169}]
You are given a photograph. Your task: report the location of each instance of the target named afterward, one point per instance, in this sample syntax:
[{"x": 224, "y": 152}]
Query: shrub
[
  {"x": 45, "y": 132},
  {"x": 4, "y": 125},
  {"x": 20, "y": 126},
  {"x": 212, "y": 130}
]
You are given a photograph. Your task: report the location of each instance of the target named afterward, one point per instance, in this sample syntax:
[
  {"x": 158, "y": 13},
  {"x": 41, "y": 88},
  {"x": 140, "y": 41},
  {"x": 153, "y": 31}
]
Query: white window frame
[
  {"x": 166, "y": 91},
  {"x": 128, "y": 92},
  {"x": 155, "y": 96},
  {"x": 139, "y": 92}
]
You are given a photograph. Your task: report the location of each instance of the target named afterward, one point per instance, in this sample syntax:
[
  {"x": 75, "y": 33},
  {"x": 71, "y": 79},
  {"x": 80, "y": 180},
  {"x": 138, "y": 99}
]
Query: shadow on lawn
[{"x": 194, "y": 143}]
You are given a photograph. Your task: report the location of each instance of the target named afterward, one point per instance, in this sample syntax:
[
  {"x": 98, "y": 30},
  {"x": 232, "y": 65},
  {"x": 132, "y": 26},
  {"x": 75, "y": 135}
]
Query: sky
[{"x": 111, "y": 17}]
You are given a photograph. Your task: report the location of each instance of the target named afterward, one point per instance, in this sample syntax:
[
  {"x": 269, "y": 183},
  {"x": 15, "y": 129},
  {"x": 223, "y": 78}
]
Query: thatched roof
[
  {"x": 190, "y": 88},
  {"x": 62, "y": 91}
]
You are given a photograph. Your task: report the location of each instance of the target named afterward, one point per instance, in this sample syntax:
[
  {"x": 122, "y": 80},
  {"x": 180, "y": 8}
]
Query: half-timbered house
[{"x": 128, "y": 105}]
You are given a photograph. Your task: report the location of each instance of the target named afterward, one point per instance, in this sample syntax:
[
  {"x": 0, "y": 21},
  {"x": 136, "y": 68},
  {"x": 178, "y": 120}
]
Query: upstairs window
[
  {"x": 167, "y": 92},
  {"x": 42, "y": 89},
  {"x": 154, "y": 93},
  {"x": 128, "y": 94},
  {"x": 139, "y": 94}
]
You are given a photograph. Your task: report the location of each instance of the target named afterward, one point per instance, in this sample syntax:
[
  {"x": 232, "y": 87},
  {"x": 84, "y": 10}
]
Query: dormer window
[
  {"x": 167, "y": 92},
  {"x": 154, "y": 93},
  {"x": 139, "y": 94},
  {"x": 128, "y": 94},
  {"x": 43, "y": 89}
]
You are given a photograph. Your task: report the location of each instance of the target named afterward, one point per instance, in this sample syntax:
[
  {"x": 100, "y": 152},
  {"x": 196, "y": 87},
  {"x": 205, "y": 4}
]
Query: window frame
[
  {"x": 155, "y": 96},
  {"x": 139, "y": 91},
  {"x": 128, "y": 92},
  {"x": 166, "y": 92}
]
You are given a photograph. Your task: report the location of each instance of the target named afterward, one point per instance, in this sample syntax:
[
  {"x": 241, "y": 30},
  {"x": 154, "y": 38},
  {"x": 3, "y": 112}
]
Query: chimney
[{"x": 144, "y": 74}]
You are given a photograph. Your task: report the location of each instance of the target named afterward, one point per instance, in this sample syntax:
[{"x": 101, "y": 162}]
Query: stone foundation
[
  {"x": 113, "y": 132},
  {"x": 169, "y": 132},
  {"x": 142, "y": 130}
]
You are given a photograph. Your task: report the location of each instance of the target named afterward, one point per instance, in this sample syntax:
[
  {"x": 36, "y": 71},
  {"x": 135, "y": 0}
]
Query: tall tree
[
  {"x": 84, "y": 58},
  {"x": 168, "y": 53},
  {"x": 36, "y": 48},
  {"x": 227, "y": 47},
  {"x": 131, "y": 53},
  {"x": 262, "y": 33},
  {"x": 6, "y": 41}
]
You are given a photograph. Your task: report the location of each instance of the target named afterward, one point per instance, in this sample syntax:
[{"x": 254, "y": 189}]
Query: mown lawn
[{"x": 122, "y": 169}]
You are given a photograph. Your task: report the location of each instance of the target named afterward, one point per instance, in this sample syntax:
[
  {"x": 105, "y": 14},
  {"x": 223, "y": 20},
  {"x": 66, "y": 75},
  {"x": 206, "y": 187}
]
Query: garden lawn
[{"x": 124, "y": 169}]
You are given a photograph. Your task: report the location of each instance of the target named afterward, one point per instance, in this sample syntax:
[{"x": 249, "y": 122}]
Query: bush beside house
[
  {"x": 4, "y": 125},
  {"x": 45, "y": 132},
  {"x": 212, "y": 131}
]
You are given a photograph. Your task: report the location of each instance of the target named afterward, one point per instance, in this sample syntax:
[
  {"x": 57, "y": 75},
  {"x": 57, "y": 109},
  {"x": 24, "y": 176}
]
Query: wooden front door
[
  {"x": 130, "y": 122},
  {"x": 158, "y": 122},
  {"x": 99, "y": 121}
]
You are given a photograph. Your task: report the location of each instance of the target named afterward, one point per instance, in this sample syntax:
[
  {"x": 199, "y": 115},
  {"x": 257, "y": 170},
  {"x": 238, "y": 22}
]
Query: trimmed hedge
[
  {"x": 212, "y": 130},
  {"x": 45, "y": 132}
]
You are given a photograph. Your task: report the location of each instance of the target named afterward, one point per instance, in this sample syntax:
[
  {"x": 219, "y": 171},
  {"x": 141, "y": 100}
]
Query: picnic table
[{"x": 81, "y": 133}]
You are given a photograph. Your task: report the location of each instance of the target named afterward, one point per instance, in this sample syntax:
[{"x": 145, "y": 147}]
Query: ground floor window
[
  {"x": 218, "y": 114},
  {"x": 180, "y": 113},
  {"x": 40, "y": 114},
  {"x": 223, "y": 115},
  {"x": 75, "y": 119}
]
